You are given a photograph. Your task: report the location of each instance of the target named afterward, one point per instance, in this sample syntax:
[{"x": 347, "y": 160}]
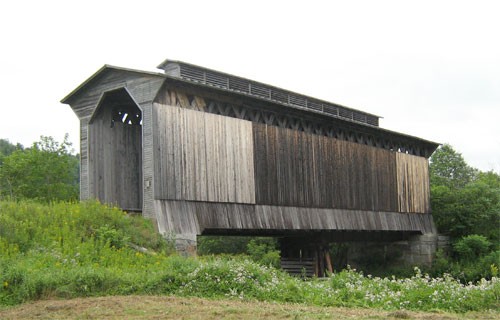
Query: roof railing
[{"x": 256, "y": 89}]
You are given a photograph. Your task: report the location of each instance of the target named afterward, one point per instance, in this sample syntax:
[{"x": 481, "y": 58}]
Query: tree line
[
  {"x": 465, "y": 205},
  {"x": 46, "y": 171}
]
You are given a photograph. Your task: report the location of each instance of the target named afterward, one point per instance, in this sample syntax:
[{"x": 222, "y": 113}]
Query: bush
[
  {"x": 46, "y": 172},
  {"x": 260, "y": 249},
  {"x": 222, "y": 245},
  {"x": 471, "y": 247},
  {"x": 466, "y": 271},
  {"x": 263, "y": 250}
]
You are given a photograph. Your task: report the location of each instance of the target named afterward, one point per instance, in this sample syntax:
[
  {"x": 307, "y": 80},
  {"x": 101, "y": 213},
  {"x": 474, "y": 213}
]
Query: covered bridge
[{"x": 204, "y": 152}]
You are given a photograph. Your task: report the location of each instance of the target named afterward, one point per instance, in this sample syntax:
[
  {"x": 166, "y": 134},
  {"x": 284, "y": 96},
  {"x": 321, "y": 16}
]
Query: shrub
[
  {"x": 263, "y": 250},
  {"x": 260, "y": 249},
  {"x": 222, "y": 244},
  {"x": 47, "y": 172},
  {"x": 472, "y": 247}
]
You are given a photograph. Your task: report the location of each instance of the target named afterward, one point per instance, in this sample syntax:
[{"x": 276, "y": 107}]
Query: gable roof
[{"x": 68, "y": 98}]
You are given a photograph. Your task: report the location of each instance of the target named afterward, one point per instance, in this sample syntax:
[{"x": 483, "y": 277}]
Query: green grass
[{"x": 83, "y": 249}]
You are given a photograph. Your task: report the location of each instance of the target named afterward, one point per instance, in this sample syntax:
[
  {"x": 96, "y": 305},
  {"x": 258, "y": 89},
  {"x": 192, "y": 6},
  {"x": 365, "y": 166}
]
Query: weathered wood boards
[
  {"x": 115, "y": 154},
  {"x": 143, "y": 86},
  {"x": 193, "y": 217},
  {"x": 206, "y": 157},
  {"x": 413, "y": 183},
  {"x": 202, "y": 157},
  {"x": 85, "y": 99},
  {"x": 304, "y": 267},
  {"x": 294, "y": 168}
]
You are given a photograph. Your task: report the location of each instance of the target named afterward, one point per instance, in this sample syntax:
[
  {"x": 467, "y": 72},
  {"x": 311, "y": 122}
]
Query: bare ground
[{"x": 155, "y": 307}]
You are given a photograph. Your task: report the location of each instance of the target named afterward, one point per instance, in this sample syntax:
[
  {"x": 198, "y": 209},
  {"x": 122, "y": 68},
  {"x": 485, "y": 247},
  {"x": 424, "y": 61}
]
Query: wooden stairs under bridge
[{"x": 305, "y": 258}]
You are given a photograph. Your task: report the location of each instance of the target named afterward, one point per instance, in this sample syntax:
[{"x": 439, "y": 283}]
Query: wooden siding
[
  {"x": 115, "y": 161},
  {"x": 299, "y": 169},
  {"x": 147, "y": 159},
  {"x": 193, "y": 217},
  {"x": 247, "y": 109},
  {"x": 202, "y": 157},
  {"x": 142, "y": 87},
  {"x": 84, "y": 161},
  {"x": 413, "y": 183}
]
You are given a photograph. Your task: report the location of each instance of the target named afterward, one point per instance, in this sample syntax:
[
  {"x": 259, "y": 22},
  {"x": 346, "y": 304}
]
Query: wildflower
[{"x": 5, "y": 284}]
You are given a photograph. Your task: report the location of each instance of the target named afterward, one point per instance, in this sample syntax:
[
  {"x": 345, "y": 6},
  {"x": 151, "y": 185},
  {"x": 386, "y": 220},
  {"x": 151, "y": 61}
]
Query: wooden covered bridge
[{"x": 203, "y": 152}]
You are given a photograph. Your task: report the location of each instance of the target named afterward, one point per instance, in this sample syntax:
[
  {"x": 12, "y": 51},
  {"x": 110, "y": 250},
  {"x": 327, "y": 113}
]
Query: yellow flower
[{"x": 5, "y": 284}]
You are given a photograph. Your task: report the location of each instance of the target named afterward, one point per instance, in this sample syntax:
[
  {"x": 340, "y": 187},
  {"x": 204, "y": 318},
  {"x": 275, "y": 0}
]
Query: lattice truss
[{"x": 283, "y": 120}]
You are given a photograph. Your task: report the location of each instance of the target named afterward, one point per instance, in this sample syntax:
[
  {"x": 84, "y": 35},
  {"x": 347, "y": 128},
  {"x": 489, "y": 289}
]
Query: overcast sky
[{"x": 429, "y": 68}]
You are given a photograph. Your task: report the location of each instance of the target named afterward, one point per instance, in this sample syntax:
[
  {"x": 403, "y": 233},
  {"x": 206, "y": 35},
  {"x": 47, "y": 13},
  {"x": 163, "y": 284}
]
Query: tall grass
[{"x": 84, "y": 249}]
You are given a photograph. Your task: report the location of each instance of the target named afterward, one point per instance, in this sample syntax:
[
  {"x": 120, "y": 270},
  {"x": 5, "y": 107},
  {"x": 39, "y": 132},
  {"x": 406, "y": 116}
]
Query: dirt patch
[{"x": 154, "y": 307}]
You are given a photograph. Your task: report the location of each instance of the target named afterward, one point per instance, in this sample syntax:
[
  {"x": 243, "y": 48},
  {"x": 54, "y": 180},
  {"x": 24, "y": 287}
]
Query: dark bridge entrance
[{"x": 115, "y": 151}]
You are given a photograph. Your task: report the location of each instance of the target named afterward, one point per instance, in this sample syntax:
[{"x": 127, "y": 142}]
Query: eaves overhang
[{"x": 106, "y": 68}]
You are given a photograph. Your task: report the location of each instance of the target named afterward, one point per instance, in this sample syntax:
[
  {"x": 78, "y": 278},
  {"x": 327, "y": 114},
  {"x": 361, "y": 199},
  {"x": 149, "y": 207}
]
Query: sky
[{"x": 430, "y": 68}]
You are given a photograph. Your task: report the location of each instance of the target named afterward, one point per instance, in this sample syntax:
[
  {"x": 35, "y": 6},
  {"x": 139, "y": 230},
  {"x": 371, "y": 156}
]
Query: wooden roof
[
  {"x": 105, "y": 68},
  {"x": 227, "y": 82}
]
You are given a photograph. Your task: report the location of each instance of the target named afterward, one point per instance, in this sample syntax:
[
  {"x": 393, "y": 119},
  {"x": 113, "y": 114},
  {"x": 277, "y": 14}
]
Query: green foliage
[
  {"x": 473, "y": 209},
  {"x": 448, "y": 168},
  {"x": 111, "y": 236},
  {"x": 47, "y": 171},
  {"x": 7, "y": 148},
  {"x": 464, "y": 201},
  {"x": 472, "y": 260},
  {"x": 71, "y": 250},
  {"x": 467, "y": 271},
  {"x": 472, "y": 247},
  {"x": 244, "y": 279},
  {"x": 66, "y": 250},
  {"x": 70, "y": 228},
  {"x": 263, "y": 250},
  {"x": 466, "y": 206},
  {"x": 222, "y": 245}
]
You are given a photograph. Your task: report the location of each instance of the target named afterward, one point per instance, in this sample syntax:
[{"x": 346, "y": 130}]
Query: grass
[
  {"x": 79, "y": 250},
  {"x": 171, "y": 307}
]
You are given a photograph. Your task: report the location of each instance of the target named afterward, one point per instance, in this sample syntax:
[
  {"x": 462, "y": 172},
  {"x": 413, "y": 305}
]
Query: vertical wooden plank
[
  {"x": 260, "y": 163},
  {"x": 413, "y": 183},
  {"x": 209, "y": 157}
]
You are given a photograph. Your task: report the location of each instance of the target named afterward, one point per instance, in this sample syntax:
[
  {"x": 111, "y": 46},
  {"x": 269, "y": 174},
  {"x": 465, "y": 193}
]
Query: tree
[
  {"x": 474, "y": 209},
  {"x": 464, "y": 200},
  {"x": 7, "y": 148},
  {"x": 47, "y": 171},
  {"x": 448, "y": 168}
]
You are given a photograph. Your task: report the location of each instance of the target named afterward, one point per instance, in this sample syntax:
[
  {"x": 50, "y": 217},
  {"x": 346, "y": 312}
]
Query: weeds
[{"x": 74, "y": 250}]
